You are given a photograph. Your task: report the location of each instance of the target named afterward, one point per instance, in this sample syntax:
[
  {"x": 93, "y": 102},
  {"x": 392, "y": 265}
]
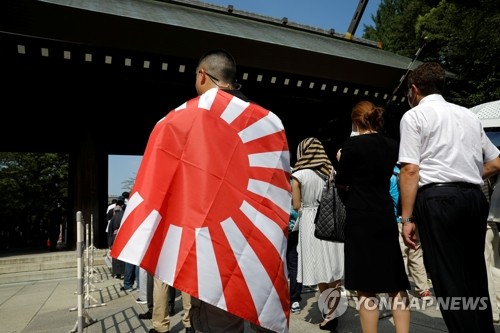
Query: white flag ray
[
  {"x": 206, "y": 100},
  {"x": 209, "y": 282},
  {"x": 272, "y": 316},
  {"x": 235, "y": 107},
  {"x": 138, "y": 244},
  {"x": 169, "y": 254},
  {"x": 135, "y": 200},
  {"x": 183, "y": 106},
  {"x": 267, "y": 125},
  {"x": 267, "y": 226},
  {"x": 280, "y": 197},
  {"x": 264, "y": 295},
  {"x": 273, "y": 159}
]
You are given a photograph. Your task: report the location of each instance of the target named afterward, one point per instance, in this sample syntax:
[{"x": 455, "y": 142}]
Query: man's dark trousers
[
  {"x": 292, "y": 262},
  {"x": 452, "y": 225}
]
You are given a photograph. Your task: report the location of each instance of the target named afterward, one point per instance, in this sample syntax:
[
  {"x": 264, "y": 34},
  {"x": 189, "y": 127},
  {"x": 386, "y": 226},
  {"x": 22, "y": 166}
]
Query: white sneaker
[{"x": 295, "y": 307}]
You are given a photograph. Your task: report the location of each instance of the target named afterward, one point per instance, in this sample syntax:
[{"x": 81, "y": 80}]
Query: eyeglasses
[
  {"x": 214, "y": 79},
  {"x": 236, "y": 86}
]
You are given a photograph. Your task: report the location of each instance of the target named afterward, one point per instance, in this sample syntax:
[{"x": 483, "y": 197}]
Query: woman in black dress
[{"x": 373, "y": 259}]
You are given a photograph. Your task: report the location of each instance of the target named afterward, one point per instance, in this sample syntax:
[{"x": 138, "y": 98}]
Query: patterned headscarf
[{"x": 312, "y": 155}]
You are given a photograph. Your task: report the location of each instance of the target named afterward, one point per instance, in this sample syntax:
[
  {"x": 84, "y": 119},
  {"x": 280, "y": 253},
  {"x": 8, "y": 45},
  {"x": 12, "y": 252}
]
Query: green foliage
[
  {"x": 395, "y": 25},
  {"x": 461, "y": 35},
  {"x": 34, "y": 188}
]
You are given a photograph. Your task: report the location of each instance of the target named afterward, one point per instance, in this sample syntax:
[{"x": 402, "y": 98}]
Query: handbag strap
[
  {"x": 330, "y": 180},
  {"x": 324, "y": 177},
  {"x": 327, "y": 185}
]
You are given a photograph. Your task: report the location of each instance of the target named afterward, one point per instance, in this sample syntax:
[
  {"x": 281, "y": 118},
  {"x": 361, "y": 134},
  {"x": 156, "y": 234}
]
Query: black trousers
[
  {"x": 149, "y": 291},
  {"x": 452, "y": 226},
  {"x": 292, "y": 260}
]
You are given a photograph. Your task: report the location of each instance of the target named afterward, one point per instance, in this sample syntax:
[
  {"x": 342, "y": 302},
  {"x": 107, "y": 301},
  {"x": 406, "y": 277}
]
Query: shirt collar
[{"x": 432, "y": 98}]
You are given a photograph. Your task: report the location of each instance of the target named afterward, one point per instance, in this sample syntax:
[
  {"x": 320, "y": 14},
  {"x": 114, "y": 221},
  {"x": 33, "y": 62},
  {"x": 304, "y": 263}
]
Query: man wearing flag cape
[{"x": 208, "y": 213}]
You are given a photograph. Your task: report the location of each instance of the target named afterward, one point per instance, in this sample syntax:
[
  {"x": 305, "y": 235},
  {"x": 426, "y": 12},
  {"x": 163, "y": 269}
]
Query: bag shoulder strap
[
  {"x": 330, "y": 181},
  {"x": 324, "y": 177}
]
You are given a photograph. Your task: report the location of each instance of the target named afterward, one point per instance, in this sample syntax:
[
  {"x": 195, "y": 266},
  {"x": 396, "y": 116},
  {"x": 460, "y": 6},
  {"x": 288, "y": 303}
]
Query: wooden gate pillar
[{"x": 88, "y": 173}]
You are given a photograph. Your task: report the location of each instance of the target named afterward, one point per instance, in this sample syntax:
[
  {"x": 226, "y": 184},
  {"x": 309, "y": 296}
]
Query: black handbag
[{"x": 330, "y": 216}]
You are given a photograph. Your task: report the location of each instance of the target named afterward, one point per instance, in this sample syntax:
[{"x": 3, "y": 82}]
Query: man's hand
[{"x": 409, "y": 236}]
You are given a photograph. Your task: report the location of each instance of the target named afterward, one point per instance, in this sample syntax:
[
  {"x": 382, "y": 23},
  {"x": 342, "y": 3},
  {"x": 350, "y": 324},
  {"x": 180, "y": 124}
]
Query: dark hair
[
  {"x": 429, "y": 78},
  {"x": 219, "y": 63},
  {"x": 368, "y": 116},
  {"x": 125, "y": 195}
]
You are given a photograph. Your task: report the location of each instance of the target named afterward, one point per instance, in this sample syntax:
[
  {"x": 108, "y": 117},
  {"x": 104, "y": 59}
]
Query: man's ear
[
  {"x": 202, "y": 77},
  {"x": 416, "y": 90}
]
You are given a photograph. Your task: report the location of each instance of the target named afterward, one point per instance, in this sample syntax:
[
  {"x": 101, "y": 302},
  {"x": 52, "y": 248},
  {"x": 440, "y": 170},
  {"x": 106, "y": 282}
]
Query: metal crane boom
[{"x": 356, "y": 18}]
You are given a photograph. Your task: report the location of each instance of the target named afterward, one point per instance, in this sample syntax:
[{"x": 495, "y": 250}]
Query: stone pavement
[{"x": 45, "y": 307}]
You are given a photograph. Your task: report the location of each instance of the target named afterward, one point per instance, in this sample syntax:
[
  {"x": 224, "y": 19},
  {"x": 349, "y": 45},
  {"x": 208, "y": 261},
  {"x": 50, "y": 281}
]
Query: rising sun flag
[{"x": 208, "y": 213}]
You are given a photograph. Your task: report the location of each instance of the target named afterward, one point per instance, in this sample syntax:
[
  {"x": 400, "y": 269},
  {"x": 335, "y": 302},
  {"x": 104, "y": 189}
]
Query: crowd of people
[{"x": 414, "y": 208}]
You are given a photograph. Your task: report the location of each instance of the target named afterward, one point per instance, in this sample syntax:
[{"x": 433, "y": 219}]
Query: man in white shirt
[{"x": 445, "y": 154}]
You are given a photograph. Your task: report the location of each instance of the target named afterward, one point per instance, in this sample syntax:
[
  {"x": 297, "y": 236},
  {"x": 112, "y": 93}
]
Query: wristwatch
[{"x": 407, "y": 219}]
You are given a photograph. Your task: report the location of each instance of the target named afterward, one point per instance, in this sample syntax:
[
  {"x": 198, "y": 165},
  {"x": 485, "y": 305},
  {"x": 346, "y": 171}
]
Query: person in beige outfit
[{"x": 161, "y": 317}]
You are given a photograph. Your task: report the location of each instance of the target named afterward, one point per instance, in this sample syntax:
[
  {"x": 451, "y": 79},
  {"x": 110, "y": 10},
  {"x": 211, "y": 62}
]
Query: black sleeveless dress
[{"x": 373, "y": 258}]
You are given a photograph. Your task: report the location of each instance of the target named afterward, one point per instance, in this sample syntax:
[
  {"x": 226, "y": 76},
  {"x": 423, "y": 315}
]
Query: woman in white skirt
[{"x": 320, "y": 262}]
